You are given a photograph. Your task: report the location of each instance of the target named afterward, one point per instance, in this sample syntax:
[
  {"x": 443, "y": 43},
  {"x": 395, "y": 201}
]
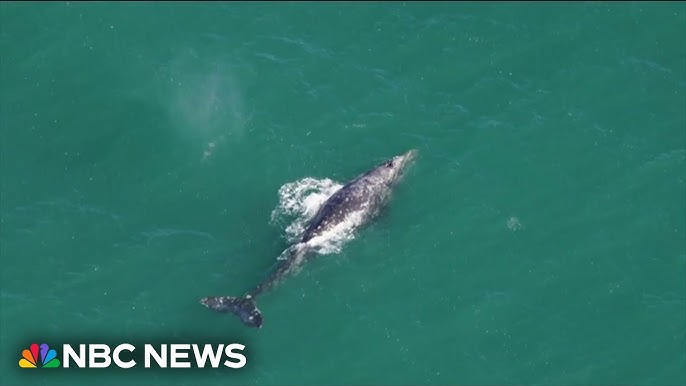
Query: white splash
[
  {"x": 514, "y": 224},
  {"x": 299, "y": 202}
]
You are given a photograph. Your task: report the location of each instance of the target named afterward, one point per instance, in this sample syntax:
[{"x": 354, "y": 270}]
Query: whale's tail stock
[{"x": 243, "y": 307}]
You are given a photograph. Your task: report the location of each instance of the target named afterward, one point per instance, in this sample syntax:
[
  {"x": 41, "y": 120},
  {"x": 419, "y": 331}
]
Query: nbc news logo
[
  {"x": 162, "y": 356},
  {"x": 48, "y": 357}
]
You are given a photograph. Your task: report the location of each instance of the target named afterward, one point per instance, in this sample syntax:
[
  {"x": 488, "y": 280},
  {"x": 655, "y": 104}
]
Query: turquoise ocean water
[{"x": 540, "y": 238}]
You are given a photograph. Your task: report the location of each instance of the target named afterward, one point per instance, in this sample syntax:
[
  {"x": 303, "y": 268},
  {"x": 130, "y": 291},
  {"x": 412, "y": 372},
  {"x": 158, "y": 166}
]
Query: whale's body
[{"x": 353, "y": 205}]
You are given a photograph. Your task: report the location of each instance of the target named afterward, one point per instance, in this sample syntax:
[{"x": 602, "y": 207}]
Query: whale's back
[{"x": 351, "y": 198}]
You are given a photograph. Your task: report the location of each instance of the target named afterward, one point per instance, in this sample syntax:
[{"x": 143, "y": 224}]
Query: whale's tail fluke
[{"x": 244, "y": 308}]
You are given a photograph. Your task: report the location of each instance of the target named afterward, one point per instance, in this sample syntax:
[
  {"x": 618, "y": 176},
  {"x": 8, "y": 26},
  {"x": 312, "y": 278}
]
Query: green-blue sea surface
[{"x": 539, "y": 238}]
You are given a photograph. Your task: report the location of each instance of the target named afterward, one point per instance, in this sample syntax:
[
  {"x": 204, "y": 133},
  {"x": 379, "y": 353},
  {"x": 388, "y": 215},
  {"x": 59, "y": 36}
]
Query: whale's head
[{"x": 392, "y": 170}]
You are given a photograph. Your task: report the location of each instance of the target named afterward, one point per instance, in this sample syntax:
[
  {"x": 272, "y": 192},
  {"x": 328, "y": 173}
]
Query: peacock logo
[{"x": 48, "y": 357}]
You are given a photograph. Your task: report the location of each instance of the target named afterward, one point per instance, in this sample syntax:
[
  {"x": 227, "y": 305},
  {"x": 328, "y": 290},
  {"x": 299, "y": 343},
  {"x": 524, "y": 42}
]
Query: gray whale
[{"x": 357, "y": 202}]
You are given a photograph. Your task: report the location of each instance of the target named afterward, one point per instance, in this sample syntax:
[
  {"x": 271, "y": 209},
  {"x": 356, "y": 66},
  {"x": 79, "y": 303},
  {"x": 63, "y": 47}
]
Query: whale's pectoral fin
[{"x": 244, "y": 308}]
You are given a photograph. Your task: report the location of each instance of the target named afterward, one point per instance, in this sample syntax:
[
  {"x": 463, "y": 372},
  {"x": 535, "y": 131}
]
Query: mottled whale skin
[{"x": 361, "y": 197}]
